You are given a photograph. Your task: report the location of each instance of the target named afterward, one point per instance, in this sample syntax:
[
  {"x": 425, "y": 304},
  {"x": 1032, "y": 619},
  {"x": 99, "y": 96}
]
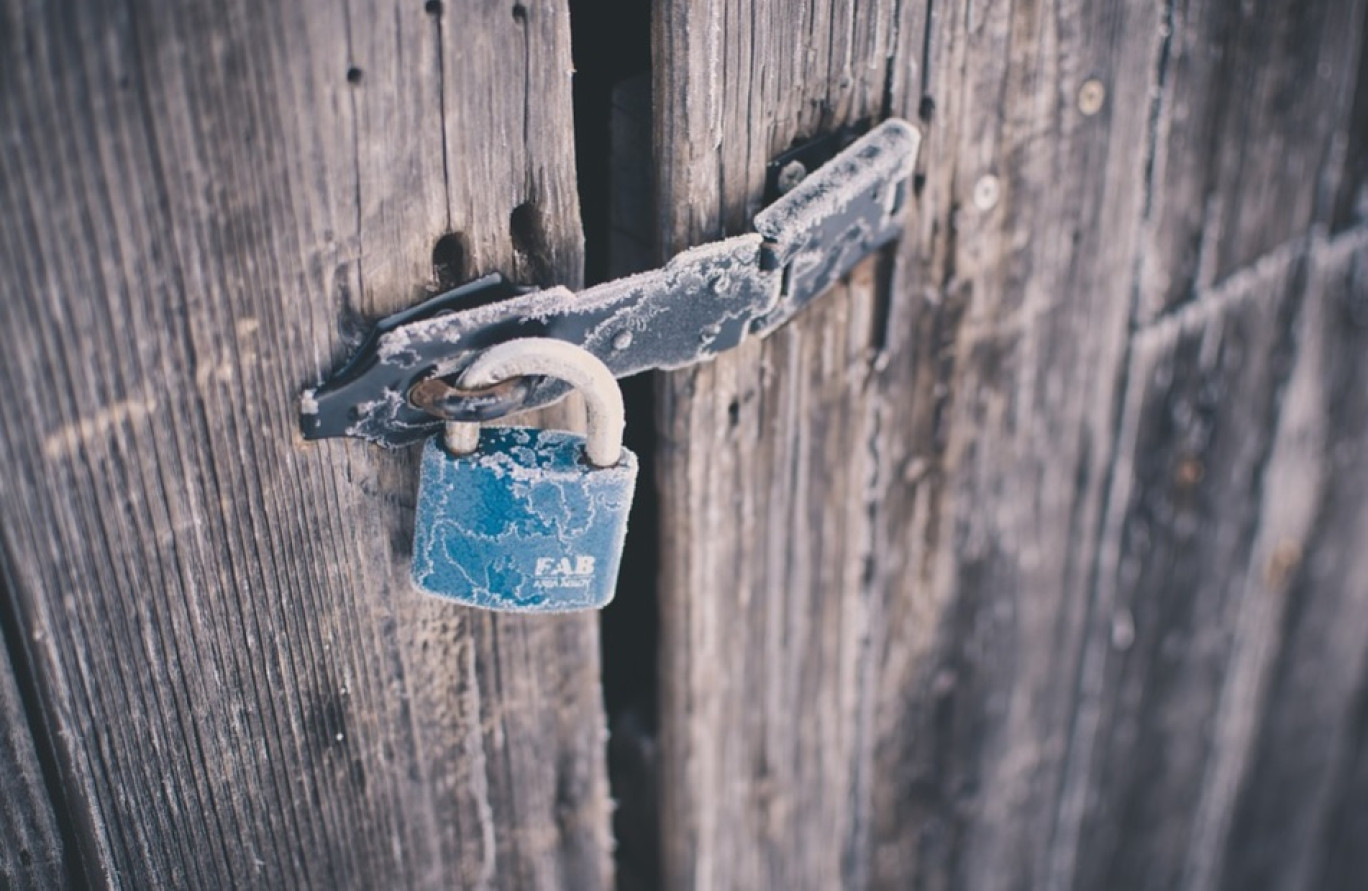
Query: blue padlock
[{"x": 521, "y": 519}]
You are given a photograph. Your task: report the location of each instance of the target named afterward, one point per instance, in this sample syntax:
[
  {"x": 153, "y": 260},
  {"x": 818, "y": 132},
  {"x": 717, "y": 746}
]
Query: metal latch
[{"x": 394, "y": 390}]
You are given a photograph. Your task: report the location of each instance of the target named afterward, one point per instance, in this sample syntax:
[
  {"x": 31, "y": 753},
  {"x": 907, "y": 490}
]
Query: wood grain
[
  {"x": 1249, "y": 142},
  {"x": 1232, "y": 681},
  {"x": 974, "y": 575},
  {"x": 204, "y": 202},
  {"x": 1302, "y": 789},
  {"x": 32, "y": 851},
  {"x": 763, "y": 454},
  {"x": 1207, "y": 526}
]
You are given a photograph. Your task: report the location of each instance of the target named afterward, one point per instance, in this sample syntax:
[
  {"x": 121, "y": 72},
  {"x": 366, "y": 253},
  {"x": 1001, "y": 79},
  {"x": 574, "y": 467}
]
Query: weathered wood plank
[
  {"x": 1351, "y": 198},
  {"x": 1236, "y": 623},
  {"x": 1034, "y": 193},
  {"x": 202, "y": 201},
  {"x": 1249, "y": 149},
  {"x": 765, "y": 769},
  {"x": 1207, "y": 487},
  {"x": 988, "y": 380},
  {"x": 32, "y": 853},
  {"x": 1298, "y": 819},
  {"x": 763, "y": 746},
  {"x": 1212, "y": 475}
]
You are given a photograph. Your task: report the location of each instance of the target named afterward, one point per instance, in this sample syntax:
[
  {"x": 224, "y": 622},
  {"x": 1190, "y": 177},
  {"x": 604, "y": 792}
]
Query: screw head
[
  {"x": 987, "y": 191},
  {"x": 1091, "y": 95},
  {"x": 790, "y": 175}
]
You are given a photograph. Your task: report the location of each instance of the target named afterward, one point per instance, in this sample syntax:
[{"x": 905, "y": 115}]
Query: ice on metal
[
  {"x": 524, "y": 523},
  {"x": 706, "y": 300}
]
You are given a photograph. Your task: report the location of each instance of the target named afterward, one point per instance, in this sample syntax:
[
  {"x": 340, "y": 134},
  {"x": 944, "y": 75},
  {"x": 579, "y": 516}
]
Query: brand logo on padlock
[{"x": 567, "y": 572}]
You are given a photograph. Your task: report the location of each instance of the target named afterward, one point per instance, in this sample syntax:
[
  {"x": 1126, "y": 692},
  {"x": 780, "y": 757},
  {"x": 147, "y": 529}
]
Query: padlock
[{"x": 522, "y": 519}]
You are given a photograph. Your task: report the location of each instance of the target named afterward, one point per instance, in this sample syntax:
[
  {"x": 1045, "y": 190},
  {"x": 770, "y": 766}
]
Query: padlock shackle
[{"x": 568, "y": 362}]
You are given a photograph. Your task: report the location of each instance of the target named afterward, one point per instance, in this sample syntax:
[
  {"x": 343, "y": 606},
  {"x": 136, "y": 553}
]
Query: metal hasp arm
[{"x": 702, "y": 302}]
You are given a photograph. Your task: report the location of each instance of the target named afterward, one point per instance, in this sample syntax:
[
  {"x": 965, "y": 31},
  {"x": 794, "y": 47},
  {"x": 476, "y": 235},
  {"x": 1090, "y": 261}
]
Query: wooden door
[
  {"x": 1032, "y": 556},
  {"x": 1028, "y": 557},
  {"x": 221, "y": 674}
]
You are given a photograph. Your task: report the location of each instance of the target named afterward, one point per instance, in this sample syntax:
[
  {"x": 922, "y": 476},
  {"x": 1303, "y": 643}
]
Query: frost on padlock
[{"x": 523, "y": 523}]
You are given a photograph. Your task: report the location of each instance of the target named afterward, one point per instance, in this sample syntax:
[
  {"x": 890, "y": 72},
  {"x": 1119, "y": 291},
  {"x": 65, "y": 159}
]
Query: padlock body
[{"x": 524, "y": 523}]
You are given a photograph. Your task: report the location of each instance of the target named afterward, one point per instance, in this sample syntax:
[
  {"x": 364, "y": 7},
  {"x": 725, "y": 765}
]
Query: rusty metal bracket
[{"x": 704, "y": 301}]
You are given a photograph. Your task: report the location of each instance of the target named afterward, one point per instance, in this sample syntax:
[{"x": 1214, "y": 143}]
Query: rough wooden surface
[
  {"x": 202, "y": 203},
  {"x": 33, "y": 854},
  {"x": 1025, "y": 560},
  {"x": 764, "y": 459}
]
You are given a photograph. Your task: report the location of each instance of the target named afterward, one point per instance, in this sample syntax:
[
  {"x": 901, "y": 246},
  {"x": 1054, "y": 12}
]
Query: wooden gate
[{"x": 1032, "y": 556}]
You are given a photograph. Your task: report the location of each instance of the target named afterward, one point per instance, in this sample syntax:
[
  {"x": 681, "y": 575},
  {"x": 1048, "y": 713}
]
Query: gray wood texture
[
  {"x": 1029, "y": 559},
  {"x": 202, "y": 204},
  {"x": 33, "y": 853}
]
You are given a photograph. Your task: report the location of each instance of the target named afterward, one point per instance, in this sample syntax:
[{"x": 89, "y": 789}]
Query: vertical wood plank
[
  {"x": 764, "y": 768},
  {"x": 1181, "y": 616},
  {"x": 1232, "y": 691},
  {"x": 32, "y": 852},
  {"x": 1351, "y": 197},
  {"x": 1251, "y": 93},
  {"x": 1011, "y": 362},
  {"x": 204, "y": 201},
  {"x": 1301, "y": 791}
]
